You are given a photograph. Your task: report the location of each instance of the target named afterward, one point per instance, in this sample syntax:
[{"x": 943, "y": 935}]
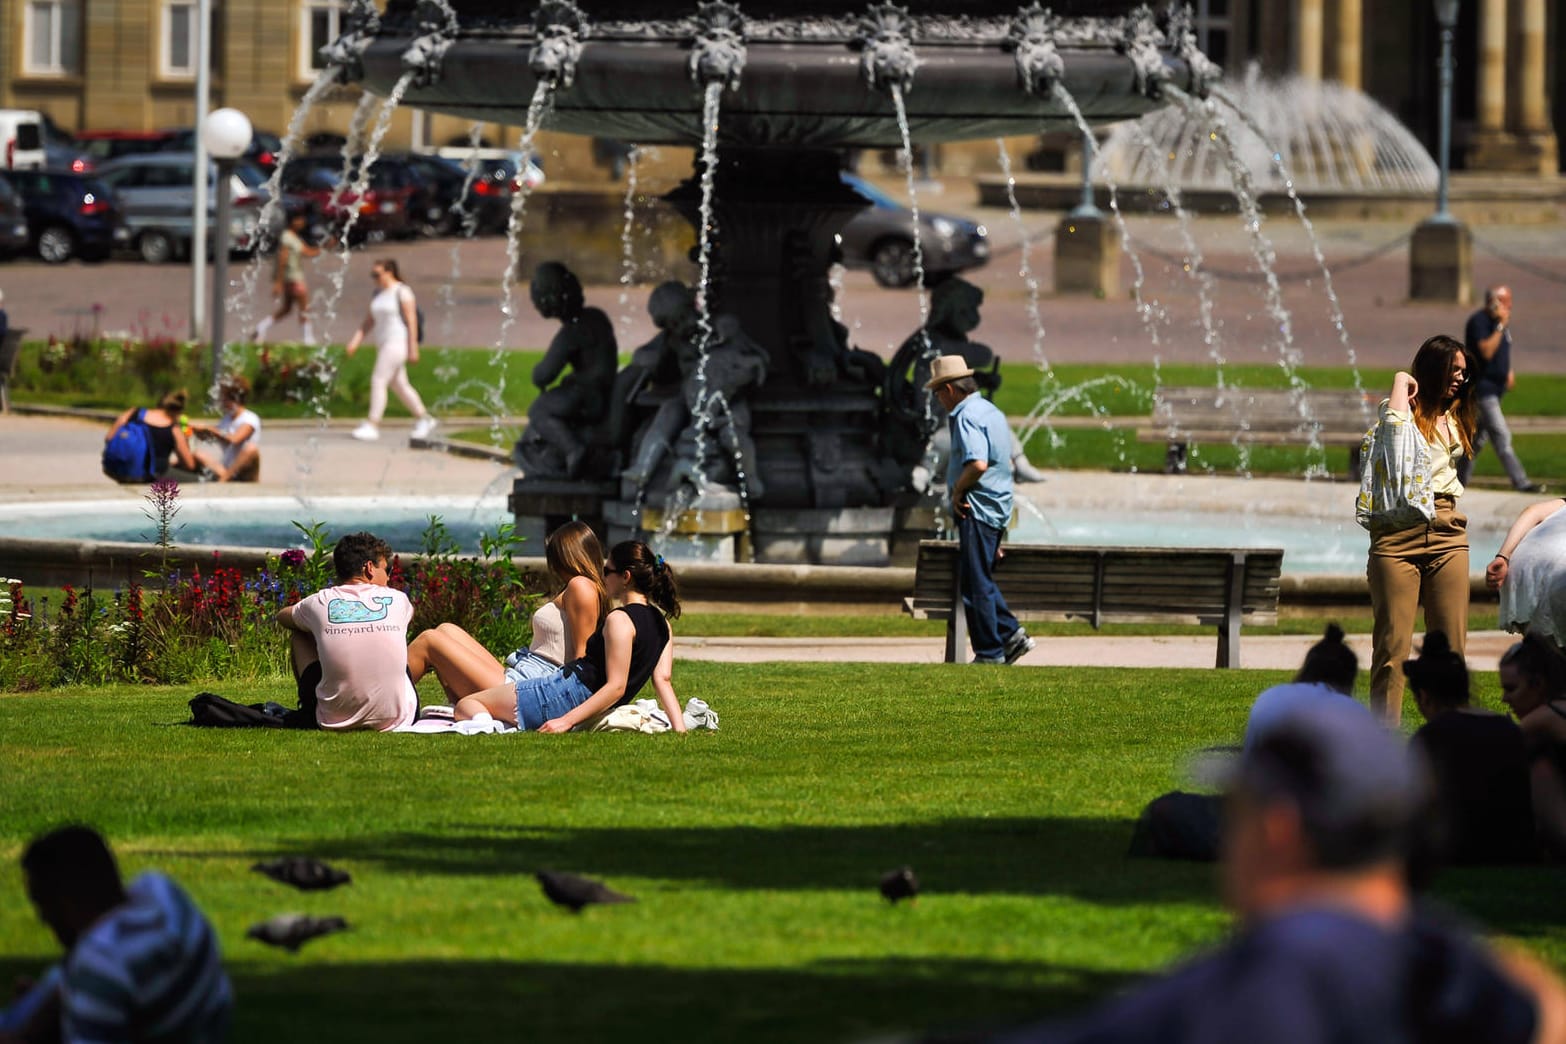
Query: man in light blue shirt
[{"x": 978, "y": 476}]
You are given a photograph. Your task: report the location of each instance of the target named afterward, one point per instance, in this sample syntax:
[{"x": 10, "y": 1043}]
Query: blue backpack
[{"x": 129, "y": 456}]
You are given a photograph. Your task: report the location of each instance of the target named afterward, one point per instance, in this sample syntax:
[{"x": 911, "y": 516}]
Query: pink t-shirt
[{"x": 361, "y": 631}]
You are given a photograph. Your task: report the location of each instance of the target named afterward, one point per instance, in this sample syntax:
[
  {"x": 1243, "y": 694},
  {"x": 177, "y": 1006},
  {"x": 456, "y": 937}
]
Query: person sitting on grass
[
  {"x": 1533, "y": 684},
  {"x": 239, "y": 432},
  {"x": 1484, "y": 814},
  {"x": 141, "y": 963},
  {"x": 349, "y": 643},
  {"x": 561, "y": 626},
  {"x": 1330, "y": 669},
  {"x": 1331, "y": 945},
  {"x": 634, "y": 644}
]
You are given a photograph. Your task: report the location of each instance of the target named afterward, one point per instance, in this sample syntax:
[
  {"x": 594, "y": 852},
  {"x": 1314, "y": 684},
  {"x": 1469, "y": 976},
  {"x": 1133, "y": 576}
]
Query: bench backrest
[
  {"x": 1095, "y": 583},
  {"x": 1271, "y": 409}
]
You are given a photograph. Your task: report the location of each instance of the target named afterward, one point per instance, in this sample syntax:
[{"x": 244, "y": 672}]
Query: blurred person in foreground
[
  {"x": 1331, "y": 946},
  {"x": 141, "y": 962}
]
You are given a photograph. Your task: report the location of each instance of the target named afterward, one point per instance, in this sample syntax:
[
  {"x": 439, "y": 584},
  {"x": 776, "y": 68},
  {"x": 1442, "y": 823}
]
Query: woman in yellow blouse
[{"x": 1428, "y": 559}]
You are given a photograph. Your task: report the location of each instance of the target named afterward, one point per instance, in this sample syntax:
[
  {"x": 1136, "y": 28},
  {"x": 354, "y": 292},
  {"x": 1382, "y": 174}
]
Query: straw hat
[{"x": 948, "y": 368}]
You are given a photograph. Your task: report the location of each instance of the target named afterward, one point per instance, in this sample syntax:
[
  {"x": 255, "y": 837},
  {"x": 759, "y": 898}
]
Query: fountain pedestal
[
  {"x": 1087, "y": 256},
  {"x": 1440, "y": 261}
]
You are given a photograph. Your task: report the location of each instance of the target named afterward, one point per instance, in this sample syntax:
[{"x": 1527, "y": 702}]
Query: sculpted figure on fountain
[
  {"x": 563, "y": 421},
  {"x": 913, "y": 416}
]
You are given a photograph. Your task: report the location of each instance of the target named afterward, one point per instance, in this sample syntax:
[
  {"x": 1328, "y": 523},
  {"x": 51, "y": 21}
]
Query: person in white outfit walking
[{"x": 394, "y": 319}]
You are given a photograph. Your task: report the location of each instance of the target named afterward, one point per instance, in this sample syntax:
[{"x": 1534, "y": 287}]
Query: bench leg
[
  {"x": 957, "y": 623},
  {"x": 1234, "y": 607},
  {"x": 1175, "y": 458}
]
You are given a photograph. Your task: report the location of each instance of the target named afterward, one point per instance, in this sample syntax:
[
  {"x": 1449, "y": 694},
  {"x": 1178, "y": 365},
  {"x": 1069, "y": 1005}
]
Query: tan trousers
[{"x": 1428, "y": 564}]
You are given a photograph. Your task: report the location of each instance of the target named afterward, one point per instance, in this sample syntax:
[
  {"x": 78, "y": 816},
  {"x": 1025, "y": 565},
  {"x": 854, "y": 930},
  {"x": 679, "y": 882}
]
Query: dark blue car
[{"x": 68, "y": 215}]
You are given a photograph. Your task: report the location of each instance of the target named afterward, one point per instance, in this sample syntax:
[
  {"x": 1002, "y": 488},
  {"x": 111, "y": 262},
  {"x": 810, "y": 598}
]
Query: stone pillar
[
  {"x": 1348, "y": 49},
  {"x": 1308, "y": 25},
  {"x": 1490, "y": 138},
  {"x": 1538, "y": 141},
  {"x": 1087, "y": 256}
]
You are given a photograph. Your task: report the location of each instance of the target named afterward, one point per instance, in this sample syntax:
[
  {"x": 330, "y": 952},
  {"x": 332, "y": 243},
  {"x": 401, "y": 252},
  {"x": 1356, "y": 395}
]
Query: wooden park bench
[
  {"x": 1223, "y": 587},
  {"x": 1271, "y": 416}
]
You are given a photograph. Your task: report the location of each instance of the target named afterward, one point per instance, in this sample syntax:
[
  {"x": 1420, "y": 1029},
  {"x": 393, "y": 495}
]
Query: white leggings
[{"x": 391, "y": 371}]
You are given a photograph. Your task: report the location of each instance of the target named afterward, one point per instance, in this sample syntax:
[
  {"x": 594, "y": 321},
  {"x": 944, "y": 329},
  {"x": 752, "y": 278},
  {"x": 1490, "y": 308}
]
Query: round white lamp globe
[{"x": 226, "y": 133}]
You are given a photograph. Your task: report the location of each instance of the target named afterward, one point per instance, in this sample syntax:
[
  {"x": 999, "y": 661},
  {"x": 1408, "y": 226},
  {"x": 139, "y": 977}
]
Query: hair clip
[{"x": 658, "y": 565}]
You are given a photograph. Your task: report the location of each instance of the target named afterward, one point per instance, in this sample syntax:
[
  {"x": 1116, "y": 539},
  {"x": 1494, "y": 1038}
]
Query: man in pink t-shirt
[{"x": 350, "y": 643}]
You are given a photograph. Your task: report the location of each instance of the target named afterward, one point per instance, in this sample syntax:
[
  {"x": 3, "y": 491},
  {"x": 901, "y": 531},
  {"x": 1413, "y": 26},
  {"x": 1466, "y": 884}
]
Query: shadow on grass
[
  {"x": 1083, "y": 858},
  {"x": 493, "y": 1000}
]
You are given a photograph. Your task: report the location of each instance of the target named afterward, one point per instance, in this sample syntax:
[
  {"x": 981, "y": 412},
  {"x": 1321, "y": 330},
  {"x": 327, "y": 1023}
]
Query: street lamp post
[
  {"x": 1446, "y": 17},
  {"x": 226, "y": 134},
  {"x": 1440, "y": 254},
  {"x": 1087, "y": 208}
]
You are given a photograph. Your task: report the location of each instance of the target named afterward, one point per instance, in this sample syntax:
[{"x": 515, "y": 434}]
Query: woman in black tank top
[{"x": 634, "y": 645}]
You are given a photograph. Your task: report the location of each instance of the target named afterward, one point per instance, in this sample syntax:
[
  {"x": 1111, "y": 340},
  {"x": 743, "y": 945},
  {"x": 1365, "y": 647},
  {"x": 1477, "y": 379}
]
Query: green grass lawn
[{"x": 754, "y": 853}]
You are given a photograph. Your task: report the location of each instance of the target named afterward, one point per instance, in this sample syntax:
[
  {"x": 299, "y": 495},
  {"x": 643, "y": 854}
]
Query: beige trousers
[{"x": 1422, "y": 564}]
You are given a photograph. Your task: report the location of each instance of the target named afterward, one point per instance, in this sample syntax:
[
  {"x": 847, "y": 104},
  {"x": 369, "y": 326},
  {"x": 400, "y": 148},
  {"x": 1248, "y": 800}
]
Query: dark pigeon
[
  {"x": 307, "y": 875},
  {"x": 575, "y": 892},
  {"x": 899, "y": 884},
  {"x": 291, "y": 931}
]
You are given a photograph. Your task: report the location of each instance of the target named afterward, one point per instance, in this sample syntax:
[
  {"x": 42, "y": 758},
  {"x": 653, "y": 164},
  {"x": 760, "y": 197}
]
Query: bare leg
[
  {"x": 499, "y": 703},
  {"x": 462, "y": 664},
  {"x": 301, "y": 647}
]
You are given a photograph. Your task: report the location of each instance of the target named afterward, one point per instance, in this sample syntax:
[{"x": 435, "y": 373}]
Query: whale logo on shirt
[{"x": 353, "y": 611}]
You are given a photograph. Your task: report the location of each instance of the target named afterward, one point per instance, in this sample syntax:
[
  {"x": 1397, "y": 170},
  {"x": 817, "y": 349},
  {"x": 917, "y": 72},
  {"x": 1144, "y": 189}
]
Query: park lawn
[{"x": 753, "y": 851}]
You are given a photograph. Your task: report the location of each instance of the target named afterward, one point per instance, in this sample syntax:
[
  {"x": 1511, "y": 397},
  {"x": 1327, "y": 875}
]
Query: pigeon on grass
[
  {"x": 305, "y": 874},
  {"x": 900, "y": 884},
  {"x": 291, "y": 931},
  {"x": 574, "y": 892}
]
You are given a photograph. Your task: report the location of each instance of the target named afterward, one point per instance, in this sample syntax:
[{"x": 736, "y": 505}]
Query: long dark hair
[
  {"x": 1432, "y": 369},
  {"x": 650, "y": 574}
]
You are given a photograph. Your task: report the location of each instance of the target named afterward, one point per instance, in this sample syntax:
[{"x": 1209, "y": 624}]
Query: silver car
[
  {"x": 158, "y": 197},
  {"x": 881, "y": 238}
]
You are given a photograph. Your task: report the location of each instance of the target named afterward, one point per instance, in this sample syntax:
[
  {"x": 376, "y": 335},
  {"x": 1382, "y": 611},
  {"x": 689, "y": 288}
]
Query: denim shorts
[
  {"x": 525, "y": 663},
  {"x": 540, "y": 699}
]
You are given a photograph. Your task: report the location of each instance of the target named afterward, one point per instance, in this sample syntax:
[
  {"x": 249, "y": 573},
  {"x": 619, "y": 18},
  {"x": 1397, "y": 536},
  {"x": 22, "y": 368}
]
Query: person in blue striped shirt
[{"x": 141, "y": 963}]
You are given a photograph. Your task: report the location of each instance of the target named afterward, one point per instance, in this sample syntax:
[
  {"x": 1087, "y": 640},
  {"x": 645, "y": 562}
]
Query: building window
[
  {"x": 180, "y": 43},
  {"x": 53, "y": 32},
  {"x": 321, "y": 23},
  {"x": 1214, "y": 25}
]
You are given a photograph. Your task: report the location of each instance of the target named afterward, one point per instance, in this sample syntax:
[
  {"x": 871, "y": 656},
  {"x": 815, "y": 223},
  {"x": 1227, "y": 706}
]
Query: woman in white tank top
[
  {"x": 561, "y": 626},
  {"x": 394, "y": 320}
]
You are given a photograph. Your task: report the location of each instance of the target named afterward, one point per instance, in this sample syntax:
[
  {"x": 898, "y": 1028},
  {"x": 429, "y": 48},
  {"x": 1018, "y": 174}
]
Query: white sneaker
[
  {"x": 423, "y": 427},
  {"x": 366, "y": 432}
]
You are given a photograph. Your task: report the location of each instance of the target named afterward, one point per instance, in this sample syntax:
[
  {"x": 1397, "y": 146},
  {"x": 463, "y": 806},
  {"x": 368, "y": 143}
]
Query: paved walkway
[{"x": 1269, "y": 652}]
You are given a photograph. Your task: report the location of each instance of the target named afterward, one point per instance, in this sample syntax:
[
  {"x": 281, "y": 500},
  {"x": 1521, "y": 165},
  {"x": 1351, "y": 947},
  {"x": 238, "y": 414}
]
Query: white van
[{"x": 21, "y": 140}]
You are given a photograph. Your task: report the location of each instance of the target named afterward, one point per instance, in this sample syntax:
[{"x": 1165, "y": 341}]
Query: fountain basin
[
  {"x": 1313, "y": 545},
  {"x": 802, "y": 84}
]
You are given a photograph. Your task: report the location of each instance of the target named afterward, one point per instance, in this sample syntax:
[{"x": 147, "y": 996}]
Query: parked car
[
  {"x": 13, "y": 221},
  {"x": 488, "y": 198},
  {"x": 100, "y": 146},
  {"x": 394, "y": 200},
  {"x": 497, "y": 163},
  {"x": 263, "y": 151},
  {"x": 21, "y": 140},
  {"x": 881, "y": 239},
  {"x": 157, "y": 195},
  {"x": 68, "y": 214}
]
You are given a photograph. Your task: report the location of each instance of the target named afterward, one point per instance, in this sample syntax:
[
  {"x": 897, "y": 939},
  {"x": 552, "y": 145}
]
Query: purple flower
[{"x": 293, "y": 557}]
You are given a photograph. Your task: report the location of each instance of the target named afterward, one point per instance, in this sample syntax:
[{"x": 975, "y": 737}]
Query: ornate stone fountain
[{"x": 801, "y": 80}]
